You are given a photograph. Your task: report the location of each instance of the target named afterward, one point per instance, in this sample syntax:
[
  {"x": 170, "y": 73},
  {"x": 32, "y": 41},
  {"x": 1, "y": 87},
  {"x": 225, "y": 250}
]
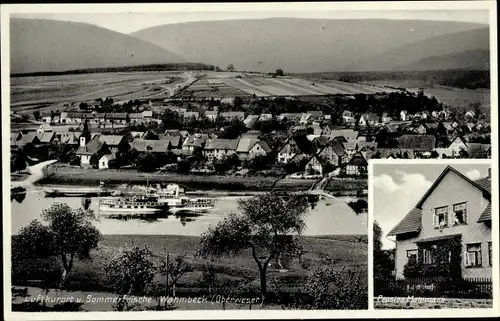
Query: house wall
[
  {"x": 256, "y": 150},
  {"x": 316, "y": 165},
  {"x": 456, "y": 146},
  {"x": 103, "y": 163},
  {"x": 285, "y": 157},
  {"x": 352, "y": 170},
  {"x": 452, "y": 190},
  {"x": 329, "y": 154},
  {"x": 85, "y": 161}
]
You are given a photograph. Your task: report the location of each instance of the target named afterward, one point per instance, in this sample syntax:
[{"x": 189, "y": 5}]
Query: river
[{"x": 330, "y": 216}]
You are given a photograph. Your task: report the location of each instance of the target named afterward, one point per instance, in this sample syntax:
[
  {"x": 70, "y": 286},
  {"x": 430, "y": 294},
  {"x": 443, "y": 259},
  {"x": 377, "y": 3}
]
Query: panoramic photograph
[
  {"x": 432, "y": 248},
  {"x": 218, "y": 160}
]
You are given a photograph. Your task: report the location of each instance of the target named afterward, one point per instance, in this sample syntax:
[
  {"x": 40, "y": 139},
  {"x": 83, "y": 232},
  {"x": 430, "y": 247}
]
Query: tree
[
  {"x": 383, "y": 265},
  {"x": 131, "y": 271},
  {"x": 68, "y": 235},
  {"x": 268, "y": 225},
  {"x": 146, "y": 162},
  {"x": 230, "y": 67},
  {"x": 279, "y": 72},
  {"x": 330, "y": 289},
  {"x": 83, "y": 106},
  {"x": 177, "y": 268},
  {"x": 36, "y": 114},
  {"x": 127, "y": 119}
]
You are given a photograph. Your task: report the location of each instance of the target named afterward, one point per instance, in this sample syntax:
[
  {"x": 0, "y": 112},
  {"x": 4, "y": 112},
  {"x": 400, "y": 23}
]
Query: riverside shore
[{"x": 59, "y": 175}]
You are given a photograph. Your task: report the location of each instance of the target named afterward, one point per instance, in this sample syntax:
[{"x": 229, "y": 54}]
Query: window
[
  {"x": 412, "y": 255},
  {"x": 490, "y": 254},
  {"x": 460, "y": 211},
  {"x": 428, "y": 257},
  {"x": 441, "y": 217},
  {"x": 473, "y": 255}
]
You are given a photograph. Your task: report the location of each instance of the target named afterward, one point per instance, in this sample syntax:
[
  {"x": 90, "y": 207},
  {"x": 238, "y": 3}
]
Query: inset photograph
[{"x": 432, "y": 235}]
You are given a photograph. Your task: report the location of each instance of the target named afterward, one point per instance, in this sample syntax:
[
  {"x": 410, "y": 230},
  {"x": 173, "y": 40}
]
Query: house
[
  {"x": 470, "y": 114},
  {"x": 368, "y": 119},
  {"x": 154, "y": 146},
  {"x": 69, "y": 138},
  {"x": 218, "y": 148},
  {"x": 48, "y": 138},
  {"x": 191, "y": 115},
  {"x": 115, "y": 143},
  {"x": 457, "y": 145},
  {"x": 194, "y": 143},
  {"x": 453, "y": 208},
  {"x": 350, "y": 148},
  {"x": 231, "y": 115},
  {"x": 478, "y": 150},
  {"x": 346, "y": 134},
  {"x": 305, "y": 119},
  {"x": 420, "y": 143},
  {"x": 23, "y": 139},
  {"x": 393, "y": 153},
  {"x": 44, "y": 128},
  {"x": 266, "y": 117},
  {"x": 314, "y": 166},
  {"x": 293, "y": 146},
  {"x": 289, "y": 117},
  {"x": 357, "y": 165},
  {"x": 386, "y": 118},
  {"x": 249, "y": 148},
  {"x": 404, "y": 115},
  {"x": 251, "y": 120},
  {"x": 94, "y": 148},
  {"x": 420, "y": 129},
  {"x": 326, "y": 131},
  {"x": 331, "y": 153},
  {"x": 211, "y": 114},
  {"x": 106, "y": 161},
  {"x": 348, "y": 117},
  {"x": 315, "y": 128},
  {"x": 316, "y": 115}
]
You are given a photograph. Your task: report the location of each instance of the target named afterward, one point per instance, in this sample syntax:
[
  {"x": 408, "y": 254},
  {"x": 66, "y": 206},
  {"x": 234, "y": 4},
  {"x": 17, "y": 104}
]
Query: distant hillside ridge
[
  {"x": 302, "y": 45},
  {"x": 478, "y": 59},
  {"x": 471, "y": 41},
  {"x": 51, "y": 45}
]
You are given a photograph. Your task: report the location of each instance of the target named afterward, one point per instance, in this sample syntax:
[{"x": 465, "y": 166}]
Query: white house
[
  {"x": 453, "y": 208},
  {"x": 105, "y": 160},
  {"x": 404, "y": 115},
  {"x": 457, "y": 145}
]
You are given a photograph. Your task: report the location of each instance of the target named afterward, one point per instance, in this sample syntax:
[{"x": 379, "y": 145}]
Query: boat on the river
[
  {"x": 130, "y": 206},
  {"x": 172, "y": 196},
  {"x": 76, "y": 192},
  {"x": 175, "y": 197}
]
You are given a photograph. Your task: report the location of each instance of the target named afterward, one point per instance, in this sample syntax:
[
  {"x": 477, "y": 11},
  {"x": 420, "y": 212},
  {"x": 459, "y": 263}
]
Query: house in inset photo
[{"x": 438, "y": 222}]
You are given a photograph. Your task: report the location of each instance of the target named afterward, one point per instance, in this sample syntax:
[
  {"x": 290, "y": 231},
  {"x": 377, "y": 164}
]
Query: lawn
[{"x": 346, "y": 251}]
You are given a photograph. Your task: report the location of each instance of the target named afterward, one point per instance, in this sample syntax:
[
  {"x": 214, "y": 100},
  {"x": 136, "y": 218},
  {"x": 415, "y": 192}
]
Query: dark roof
[
  {"x": 298, "y": 144},
  {"x": 412, "y": 222},
  {"x": 91, "y": 148},
  {"x": 358, "y": 160},
  {"x": 417, "y": 142},
  {"x": 486, "y": 215},
  {"x": 246, "y": 144},
  {"x": 155, "y": 146},
  {"x": 315, "y": 113},
  {"x": 196, "y": 140},
  {"x": 110, "y": 140},
  {"x": 485, "y": 183},
  {"x": 439, "y": 238}
]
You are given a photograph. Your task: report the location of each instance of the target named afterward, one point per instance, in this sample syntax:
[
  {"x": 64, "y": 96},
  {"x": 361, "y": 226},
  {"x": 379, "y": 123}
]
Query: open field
[
  {"x": 349, "y": 251},
  {"x": 29, "y": 93},
  {"x": 261, "y": 86}
]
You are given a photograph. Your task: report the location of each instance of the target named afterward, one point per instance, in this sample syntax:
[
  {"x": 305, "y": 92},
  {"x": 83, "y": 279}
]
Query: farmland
[
  {"x": 261, "y": 86},
  {"x": 29, "y": 93}
]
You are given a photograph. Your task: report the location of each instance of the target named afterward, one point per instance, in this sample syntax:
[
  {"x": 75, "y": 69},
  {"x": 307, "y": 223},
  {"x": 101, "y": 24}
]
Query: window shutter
[
  {"x": 466, "y": 258},
  {"x": 465, "y": 215},
  {"x": 447, "y": 216},
  {"x": 436, "y": 222}
]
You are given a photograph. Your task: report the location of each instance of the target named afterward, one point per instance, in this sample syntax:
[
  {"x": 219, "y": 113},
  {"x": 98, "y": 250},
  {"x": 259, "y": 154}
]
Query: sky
[
  {"x": 131, "y": 22},
  {"x": 397, "y": 188}
]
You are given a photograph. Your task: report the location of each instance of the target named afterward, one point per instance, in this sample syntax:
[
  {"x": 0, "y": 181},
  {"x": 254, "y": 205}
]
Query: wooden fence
[{"x": 472, "y": 288}]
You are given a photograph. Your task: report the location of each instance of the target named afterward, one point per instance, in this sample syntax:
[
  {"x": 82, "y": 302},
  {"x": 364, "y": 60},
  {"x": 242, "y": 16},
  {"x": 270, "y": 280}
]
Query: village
[{"x": 224, "y": 137}]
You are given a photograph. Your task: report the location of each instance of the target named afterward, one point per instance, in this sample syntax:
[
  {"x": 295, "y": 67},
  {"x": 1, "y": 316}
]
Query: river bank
[{"x": 92, "y": 177}]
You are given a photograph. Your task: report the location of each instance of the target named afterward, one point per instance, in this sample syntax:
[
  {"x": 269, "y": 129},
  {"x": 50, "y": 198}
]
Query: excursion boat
[
  {"x": 133, "y": 206},
  {"x": 177, "y": 201}
]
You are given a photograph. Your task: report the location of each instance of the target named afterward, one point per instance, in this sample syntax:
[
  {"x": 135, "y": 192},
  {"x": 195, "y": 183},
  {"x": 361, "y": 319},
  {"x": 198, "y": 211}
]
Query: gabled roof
[
  {"x": 246, "y": 144},
  {"x": 91, "y": 148},
  {"x": 151, "y": 145},
  {"x": 346, "y": 133},
  {"x": 296, "y": 145},
  {"x": 110, "y": 140},
  {"x": 358, "y": 160},
  {"x": 196, "y": 140},
  {"x": 486, "y": 215},
  {"x": 219, "y": 143},
  {"x": 315, "y": 113},
  {"x": 417, "y": 142},
  {"x": 29, "y": 137},
  {"x": 370, "y": 116},
  {"x": 412, "y": 222},
  {"x": 46, "y": 137},
  {"x": 110, "y": 157}
]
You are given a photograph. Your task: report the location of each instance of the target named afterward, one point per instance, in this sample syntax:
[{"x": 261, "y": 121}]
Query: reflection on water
[{"x": 326, "y": 216}]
